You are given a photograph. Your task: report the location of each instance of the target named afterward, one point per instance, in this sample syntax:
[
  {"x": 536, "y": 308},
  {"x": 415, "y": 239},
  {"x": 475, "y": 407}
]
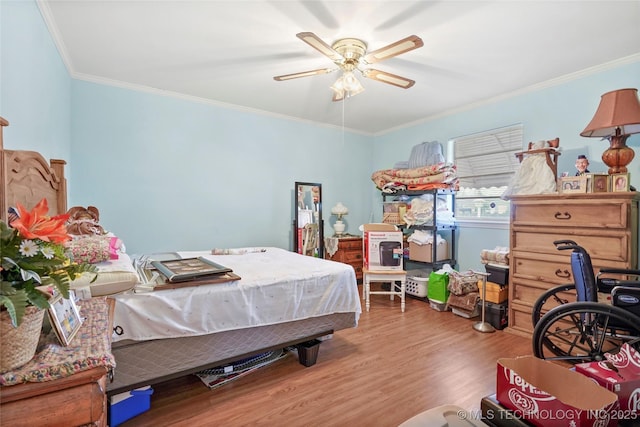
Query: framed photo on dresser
[
  {"x": 599, "y": 183},
  {"x": 65, "y": 317},
  {"x": 620, "y": 182},
  {"x": 573, "y": 184}
]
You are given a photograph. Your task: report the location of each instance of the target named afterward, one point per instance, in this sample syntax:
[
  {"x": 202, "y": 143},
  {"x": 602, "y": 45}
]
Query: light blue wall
[
  {"x": 170, "y": 174},
  {"x": 35, "y": 87}
]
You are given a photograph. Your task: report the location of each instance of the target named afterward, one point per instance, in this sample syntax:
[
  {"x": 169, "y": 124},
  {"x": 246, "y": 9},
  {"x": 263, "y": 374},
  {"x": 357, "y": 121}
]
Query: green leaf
[{"x": 16, "y": 304}]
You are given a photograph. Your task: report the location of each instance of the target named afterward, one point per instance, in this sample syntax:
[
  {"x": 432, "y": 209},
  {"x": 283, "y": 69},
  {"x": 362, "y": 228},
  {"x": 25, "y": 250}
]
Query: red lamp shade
[{"x": 617, "y": 117}]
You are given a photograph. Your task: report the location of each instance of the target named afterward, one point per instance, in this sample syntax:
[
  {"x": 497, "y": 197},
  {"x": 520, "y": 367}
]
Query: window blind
[{"x": 487, "y": 159}]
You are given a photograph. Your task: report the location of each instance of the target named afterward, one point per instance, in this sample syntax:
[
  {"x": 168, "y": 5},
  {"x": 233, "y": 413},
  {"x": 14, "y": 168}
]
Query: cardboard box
[
  {"x": 624, "y": 381},
  {"x": 424, "y": 253},
  {"x": 550, "y": 395},
  {"x": 382, "y": 247},
  {"x": 495, "y": 292},
  {"x": 127, "y": 405}
]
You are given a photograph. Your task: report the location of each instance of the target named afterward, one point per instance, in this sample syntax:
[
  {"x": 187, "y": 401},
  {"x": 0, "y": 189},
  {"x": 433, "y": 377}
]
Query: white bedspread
[{"x": 276, "y": 286}]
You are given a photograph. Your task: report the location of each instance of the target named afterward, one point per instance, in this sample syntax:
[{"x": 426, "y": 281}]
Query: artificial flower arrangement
[{"x": 33, "y": 255}]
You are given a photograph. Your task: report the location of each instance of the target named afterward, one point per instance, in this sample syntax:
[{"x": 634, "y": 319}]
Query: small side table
[
  {"x": 45, "y": 393},
  {"x": 349, "y": 252}
]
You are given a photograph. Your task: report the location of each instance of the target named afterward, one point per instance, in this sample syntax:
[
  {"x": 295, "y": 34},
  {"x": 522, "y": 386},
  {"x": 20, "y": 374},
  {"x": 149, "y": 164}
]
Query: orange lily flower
[{"x": 35, "y": 224}]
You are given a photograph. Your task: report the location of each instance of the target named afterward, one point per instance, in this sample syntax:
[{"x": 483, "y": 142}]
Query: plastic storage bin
[
  {"x": 127, "y": 405},
  {"x": 495, "y": 314},
  {"x": 495, "y": 293},
  {"x": 417, "y": 286},
  {"x": 497, "y": 274},
  {"x": 439, "y": 305}
]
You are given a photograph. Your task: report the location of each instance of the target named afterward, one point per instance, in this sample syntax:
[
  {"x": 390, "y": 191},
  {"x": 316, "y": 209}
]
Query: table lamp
[
  {"x": 339, "y": 210},
  {"x": 617, "y": 117}
]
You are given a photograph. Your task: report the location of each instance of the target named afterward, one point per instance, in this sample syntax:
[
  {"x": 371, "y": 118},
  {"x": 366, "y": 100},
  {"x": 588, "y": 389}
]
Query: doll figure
[{"x": 582, "y": 163}]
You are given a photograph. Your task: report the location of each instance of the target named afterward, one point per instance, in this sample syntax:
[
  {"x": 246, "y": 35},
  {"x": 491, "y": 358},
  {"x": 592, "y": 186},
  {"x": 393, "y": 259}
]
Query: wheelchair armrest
[
  {"x": 606, "y": 284},
  {"x": 619, "y": 271}
]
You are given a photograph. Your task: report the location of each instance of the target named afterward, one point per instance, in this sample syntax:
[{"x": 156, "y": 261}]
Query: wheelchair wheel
[
  {"x": 550, "y": 299},
  {"x": 584, "y": 331}
]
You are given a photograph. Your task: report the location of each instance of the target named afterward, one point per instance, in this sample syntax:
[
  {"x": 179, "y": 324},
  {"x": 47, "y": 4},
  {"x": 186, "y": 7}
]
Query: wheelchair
[{"x": 596, "y": 314}]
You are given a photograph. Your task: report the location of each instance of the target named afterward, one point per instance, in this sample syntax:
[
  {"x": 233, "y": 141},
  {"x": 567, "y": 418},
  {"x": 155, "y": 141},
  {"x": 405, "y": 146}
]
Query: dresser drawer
[
  {"x": 553, "y": 269},
  {"x": 354, "y": 244},
  {"x": 591, "y": 213},
  {"x": 520, "y": 320},
  {"x": 77, "y": 405},
  {"x": 600, "y": 244},
  {"x": 352, "y": 257}
]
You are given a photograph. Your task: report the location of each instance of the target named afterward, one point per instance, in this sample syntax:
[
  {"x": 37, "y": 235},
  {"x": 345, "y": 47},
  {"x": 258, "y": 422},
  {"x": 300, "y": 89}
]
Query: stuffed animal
[{"x": 84, "y": 221}]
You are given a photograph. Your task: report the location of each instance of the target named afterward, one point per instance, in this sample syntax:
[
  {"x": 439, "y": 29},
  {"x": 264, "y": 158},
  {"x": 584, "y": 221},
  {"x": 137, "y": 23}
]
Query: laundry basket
[{"x": 417, "y": 286}]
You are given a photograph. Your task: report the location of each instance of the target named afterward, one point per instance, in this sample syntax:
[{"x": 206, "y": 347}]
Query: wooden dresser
[
  {"x": 349, "y": 252},
  {"x": 78, "y": 399},
  {"x": 605, "y": 224}
]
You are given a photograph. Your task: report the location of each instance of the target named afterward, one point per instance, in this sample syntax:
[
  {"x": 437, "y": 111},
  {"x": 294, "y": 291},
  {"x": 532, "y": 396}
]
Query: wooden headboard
[{"x": 26, "y": 177}]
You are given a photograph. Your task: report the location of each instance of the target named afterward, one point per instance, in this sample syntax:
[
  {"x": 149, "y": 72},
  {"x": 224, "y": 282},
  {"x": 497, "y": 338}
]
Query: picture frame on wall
[
  {"x": 65, "y": 317},
  {"x": 599, "y": 183},
  {"x": 573, "y": 184},
  {"x": 620, "y": 182}
]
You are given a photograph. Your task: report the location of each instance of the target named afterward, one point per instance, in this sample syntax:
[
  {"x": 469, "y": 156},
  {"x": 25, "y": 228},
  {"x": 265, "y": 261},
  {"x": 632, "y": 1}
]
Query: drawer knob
[
  {"x": 565, "y": 274},
  {"x": 560, "y": 215}
]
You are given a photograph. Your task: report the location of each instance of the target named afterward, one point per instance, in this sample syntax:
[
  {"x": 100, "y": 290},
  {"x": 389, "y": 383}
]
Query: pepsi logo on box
[
  {"x": 550, "y": 395},
  {"x": 621, "y": 375}
]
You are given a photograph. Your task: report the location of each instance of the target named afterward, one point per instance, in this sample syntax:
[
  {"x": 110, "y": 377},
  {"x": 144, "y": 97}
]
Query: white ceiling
[{"x": 227, "y": 52}]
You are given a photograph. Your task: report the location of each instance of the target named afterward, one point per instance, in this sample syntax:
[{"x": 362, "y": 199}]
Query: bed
[{"x": 282, "y": 299}]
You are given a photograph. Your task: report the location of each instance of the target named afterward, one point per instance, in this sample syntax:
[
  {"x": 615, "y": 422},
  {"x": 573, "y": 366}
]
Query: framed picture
[
  {"x": 599, "y": 183},
  {"x": 573, "y": 184},
  {"x": 189, "y": 268},
  {"x": 620, "y": 182},
  {"x": 65, "y": 318}
]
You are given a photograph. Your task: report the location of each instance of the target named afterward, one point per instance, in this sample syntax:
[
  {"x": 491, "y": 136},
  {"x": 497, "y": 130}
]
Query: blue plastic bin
[{"x": 126, "y": 407}]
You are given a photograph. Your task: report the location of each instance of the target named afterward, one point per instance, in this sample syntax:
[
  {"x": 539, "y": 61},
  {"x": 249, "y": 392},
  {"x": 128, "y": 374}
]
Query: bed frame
[{"x": 26, "y": 177}]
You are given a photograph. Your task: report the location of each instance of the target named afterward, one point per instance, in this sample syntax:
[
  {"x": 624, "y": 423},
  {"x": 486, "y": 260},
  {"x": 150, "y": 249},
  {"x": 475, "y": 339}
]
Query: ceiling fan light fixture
[{"x": 347, "y": 85}]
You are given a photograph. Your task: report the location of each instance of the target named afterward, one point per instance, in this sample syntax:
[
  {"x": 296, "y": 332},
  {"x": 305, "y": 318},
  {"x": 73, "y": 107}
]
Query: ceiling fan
[{"x": 350, "y": 54}]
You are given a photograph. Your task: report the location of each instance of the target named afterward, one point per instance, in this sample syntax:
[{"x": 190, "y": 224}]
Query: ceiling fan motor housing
[{"x": 351, "y": 50}]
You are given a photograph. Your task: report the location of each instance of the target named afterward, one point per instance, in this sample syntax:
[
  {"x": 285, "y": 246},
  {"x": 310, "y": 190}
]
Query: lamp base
[
  {"x": 618, "y": 155},
  {"x": 339, "y": 227}
]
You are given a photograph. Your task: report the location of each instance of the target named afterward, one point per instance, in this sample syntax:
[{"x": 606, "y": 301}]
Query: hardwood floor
[{"x": 391, "y": 367}]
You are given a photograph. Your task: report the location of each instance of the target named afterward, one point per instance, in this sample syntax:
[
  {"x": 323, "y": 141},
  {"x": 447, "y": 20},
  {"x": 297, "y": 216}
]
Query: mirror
[{"x": 308, "y": 235}]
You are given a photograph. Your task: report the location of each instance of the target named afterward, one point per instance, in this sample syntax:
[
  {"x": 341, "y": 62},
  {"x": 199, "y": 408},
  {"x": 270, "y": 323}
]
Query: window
[{"x": 486, "y": 162}]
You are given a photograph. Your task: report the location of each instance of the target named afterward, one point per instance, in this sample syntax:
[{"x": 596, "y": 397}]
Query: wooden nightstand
[
  {"x": 349, "y": 252},
  {"x": 77, "y": 399}
]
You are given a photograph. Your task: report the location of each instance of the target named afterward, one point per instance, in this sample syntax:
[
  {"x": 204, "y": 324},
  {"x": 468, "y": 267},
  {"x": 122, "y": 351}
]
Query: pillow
[
  {"x": 114, "y": 276},
  {"x": 94, "y": 249}
]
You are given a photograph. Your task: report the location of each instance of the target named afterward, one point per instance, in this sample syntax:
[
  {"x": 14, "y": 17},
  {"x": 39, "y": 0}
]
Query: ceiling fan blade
[
  {"x": 317, "y": 43},
  {"x": 304, "y": 74},
  {"x": 394, "y": 49},
  {"x": 392, "y": 79}
]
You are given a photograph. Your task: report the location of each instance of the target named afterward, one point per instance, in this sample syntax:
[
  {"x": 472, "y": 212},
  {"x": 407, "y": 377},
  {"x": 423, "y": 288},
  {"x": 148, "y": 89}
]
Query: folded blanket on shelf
[{"x": 435, "y": 174}]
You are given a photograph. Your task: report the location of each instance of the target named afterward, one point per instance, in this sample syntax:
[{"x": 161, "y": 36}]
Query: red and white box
[
  {"x": 549, "y": 395},
  {"x": 383, "y": 249},
  {"x": 621, "y": 375}
]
